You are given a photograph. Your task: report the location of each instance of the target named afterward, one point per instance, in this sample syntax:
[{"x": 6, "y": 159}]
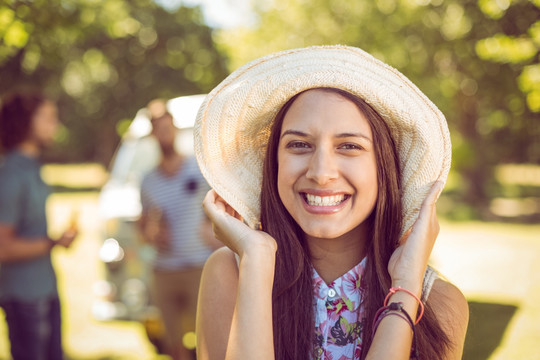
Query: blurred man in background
[
  {"x": 28, "y": 291},
  {"x": 173, "y": 222}
]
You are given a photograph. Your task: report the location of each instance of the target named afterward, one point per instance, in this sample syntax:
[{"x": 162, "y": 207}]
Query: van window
[{"x": 135, "y": 157}]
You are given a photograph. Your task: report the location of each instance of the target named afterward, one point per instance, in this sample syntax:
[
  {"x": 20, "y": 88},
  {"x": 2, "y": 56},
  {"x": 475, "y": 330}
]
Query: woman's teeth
[{"x": 315, "y": 200}]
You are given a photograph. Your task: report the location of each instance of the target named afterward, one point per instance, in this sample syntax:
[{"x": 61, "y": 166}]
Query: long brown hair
[{"x": 293, "y": 317}]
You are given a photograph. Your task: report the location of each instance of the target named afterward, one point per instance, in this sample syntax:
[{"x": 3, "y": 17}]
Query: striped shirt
[{"x": 178, "y": 199}]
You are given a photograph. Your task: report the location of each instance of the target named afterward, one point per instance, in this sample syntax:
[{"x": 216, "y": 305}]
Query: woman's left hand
[{"x": 409, "y": 261}]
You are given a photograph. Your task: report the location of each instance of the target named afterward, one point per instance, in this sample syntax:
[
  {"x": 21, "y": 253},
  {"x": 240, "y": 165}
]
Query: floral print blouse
[{"x": 338, "y": 318}]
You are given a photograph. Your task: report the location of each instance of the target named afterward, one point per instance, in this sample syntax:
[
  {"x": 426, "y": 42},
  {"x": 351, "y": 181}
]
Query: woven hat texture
[{"x": 233, "y": 123}]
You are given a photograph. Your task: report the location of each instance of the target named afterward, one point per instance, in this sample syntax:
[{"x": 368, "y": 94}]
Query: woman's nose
[{"x": 322, "y": 166}]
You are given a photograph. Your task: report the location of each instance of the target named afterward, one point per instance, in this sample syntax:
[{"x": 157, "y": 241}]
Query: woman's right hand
[
  {"x": 229, "y": 228},
  {"x": 235, "y": 299}
]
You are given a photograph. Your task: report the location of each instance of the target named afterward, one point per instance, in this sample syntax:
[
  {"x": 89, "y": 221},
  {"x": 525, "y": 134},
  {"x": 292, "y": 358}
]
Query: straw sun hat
[{"x": 233, "y": 123}]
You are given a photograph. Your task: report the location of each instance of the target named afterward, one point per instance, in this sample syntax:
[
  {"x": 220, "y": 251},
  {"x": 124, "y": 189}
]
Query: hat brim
[{"x": 233, "y": 124}]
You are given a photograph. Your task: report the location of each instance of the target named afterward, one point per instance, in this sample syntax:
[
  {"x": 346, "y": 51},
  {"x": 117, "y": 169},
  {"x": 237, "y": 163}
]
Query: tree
[
  {"x": 442, "y": 46},
  {"x": 103, "y": 60}
]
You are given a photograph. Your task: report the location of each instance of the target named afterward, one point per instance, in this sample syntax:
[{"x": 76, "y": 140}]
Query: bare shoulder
[
  {"x": 452, "y": 311},
  {"x": 220, "y": 273},
  {"x": 447, "y": 300},
  {"x": 217, "y": 298},
  {"x": 219, "y": 280}
]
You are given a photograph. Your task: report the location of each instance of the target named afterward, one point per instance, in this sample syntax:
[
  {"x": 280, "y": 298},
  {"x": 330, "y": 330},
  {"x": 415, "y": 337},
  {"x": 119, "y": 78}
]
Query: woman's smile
[{"x": 324, "y": 204}]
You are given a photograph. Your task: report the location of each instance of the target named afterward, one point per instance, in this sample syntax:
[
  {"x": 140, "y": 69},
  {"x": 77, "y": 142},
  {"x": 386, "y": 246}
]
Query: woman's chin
[
  {"x": 325, "y": 230},
  {"x": 325, "y": 233}
]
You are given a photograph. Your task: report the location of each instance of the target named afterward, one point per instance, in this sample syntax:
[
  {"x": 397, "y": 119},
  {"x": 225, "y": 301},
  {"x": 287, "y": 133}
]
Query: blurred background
[{"x": 477, "y": 60}]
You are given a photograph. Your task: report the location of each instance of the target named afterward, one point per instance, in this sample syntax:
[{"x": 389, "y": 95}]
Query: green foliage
[
  {"x": 476, "y": 59},
  {"x": 103, "y": 60}
]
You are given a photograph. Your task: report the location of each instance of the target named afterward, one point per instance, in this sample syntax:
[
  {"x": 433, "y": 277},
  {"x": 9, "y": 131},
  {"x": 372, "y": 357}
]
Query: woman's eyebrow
[
  {"x": 359, "y": 135},
  {"x": 294, "y": 132}
]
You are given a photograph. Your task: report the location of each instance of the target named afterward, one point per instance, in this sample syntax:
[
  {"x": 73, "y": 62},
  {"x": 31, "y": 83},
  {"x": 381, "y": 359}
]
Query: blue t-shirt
[{"x": 23, "y": 195}]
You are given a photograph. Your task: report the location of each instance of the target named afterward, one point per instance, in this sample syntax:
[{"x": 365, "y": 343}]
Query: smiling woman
[{"x": 330, "y": 223}]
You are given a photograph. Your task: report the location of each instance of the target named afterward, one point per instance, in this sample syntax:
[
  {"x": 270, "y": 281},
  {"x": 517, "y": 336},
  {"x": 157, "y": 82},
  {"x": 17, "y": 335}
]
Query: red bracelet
[{"x": 394, "y": 290}]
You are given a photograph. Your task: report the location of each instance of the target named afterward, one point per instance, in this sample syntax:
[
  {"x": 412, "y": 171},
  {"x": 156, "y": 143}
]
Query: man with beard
[{"x": 173, "y": 222}]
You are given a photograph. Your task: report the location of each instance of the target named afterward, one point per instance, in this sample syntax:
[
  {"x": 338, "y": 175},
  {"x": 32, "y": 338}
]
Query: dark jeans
[{"x": 34, "y": 329}]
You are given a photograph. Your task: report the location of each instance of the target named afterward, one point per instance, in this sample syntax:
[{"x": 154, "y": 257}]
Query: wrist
[
  {"x": 258, "y": 247},
  {"x": 259, "y": 260},
  {"x": 410, "y": 300},
  {"x": 258, "y": 256},
  {"x": 414, "y": 286}
]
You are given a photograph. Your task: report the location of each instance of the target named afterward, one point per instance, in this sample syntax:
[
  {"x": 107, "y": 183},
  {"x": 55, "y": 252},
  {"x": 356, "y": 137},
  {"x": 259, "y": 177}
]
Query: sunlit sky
[{"x": 217, "y": 13}]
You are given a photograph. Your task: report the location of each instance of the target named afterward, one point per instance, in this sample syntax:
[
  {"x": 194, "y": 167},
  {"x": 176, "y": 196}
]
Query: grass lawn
[
  {"x": 495, "y": 265},
  {"x": 497, "y": 268}
]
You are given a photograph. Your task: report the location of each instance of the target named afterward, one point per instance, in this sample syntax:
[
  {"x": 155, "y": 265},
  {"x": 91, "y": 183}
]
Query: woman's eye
[
  {"x": 297, "y": 145},
  {"x": 350, "y": 146}
]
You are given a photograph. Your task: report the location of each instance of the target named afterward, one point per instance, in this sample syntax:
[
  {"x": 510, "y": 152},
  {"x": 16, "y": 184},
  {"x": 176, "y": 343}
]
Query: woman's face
[
  {"x": 327, "y": 176},
  {"x": 45, "y": 124}
]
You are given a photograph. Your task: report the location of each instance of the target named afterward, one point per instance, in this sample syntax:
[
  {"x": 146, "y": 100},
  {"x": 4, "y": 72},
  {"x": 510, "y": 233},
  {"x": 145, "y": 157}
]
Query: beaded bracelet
[
  {"x": 394, "y": 290},
  {"x": 391, "y": 309}
]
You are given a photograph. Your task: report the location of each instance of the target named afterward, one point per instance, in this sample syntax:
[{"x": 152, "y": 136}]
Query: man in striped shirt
[{"x": 172, "y": 221}]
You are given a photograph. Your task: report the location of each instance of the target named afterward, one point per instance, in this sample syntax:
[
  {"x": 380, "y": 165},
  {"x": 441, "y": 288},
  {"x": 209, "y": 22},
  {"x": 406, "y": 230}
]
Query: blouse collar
[{"x": 345, "y": 291}]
